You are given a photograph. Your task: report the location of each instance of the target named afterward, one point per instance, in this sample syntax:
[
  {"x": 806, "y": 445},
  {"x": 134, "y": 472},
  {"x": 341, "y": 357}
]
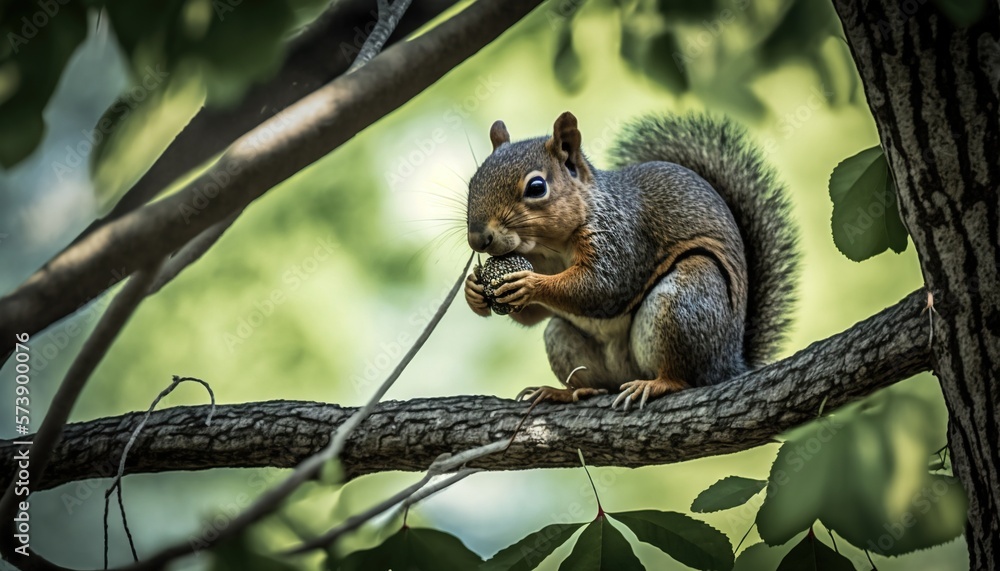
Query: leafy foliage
[
  {"x": 568, "y": 68},
  {"x": 800, "y": 32},
  {"x": 811, "y": 554},
  {"x": 411, "y": 549},
  {"x": 727, "y": 493},
  {"x": 165, "y": 42},
  {"x": 532, "y": 549},
  {"x": 761, "y": 556},
  {"x": 238, "y": 555},
  {"x": 865, "y": 214},
  {"x": 205, "y": 34},
  {"x": 692, "y": 542},
  {"x": 37, "y": 44},
  {"x": 863, "y": 474},
  {"x": 601, "y": 547},
  {"x": 717, "y": 49}
]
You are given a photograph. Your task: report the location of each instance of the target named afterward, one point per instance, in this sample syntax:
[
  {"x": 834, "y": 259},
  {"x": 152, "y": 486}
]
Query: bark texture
[
  {"x": 934, "y": 89},
  {"x": 737, "y": 415}
]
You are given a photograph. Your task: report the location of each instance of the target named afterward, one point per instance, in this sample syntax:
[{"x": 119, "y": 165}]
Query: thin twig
[
  {"x": 128, "y": 532},
  {"x": 116, "y": 484},
  {"x": 135, "y": 433},
  {"x": 106, "y": 510},
  {"x": 191, "y": 252},
  {"x": 388, "y": 17},
  {"x": 436, "y": 487},
  {"x": 341, "y": 434},
  {"x": 93, "y": 351},
  {"x": 272, "y": 498},
  {"x": 870, "y": 562},
  {"x": 749, "y": 529},
  {"x": 409, "y": 495}
]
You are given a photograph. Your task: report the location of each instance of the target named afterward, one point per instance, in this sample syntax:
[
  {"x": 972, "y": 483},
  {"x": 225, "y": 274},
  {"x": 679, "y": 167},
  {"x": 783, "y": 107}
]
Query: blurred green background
[{"x": 364, "y": 244}]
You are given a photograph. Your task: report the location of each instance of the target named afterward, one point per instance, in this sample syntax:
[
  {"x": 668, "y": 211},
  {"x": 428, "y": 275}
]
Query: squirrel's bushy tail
[{"x": 719, "y": 151}]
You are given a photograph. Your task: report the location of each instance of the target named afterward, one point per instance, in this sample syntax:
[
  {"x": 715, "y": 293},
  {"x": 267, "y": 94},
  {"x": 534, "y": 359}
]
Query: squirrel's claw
[
  {"x": 517, "y": 290},
  {"x": 552, "y": 394},
  {"x": 474, "y": 296},
  {"x": 655, "y": 388}
]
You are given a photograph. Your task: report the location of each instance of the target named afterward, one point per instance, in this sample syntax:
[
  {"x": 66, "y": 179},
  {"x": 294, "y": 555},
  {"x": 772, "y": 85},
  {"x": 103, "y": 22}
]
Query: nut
[{"x": 499, "y": 267}]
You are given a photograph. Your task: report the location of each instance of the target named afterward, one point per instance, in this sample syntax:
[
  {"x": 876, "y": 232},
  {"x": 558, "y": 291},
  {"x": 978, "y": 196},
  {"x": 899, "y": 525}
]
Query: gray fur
[
  {"x": 688, "y": 314},
  {"x": 719, "y": 152},
  {"x": 679, "y": 180}
]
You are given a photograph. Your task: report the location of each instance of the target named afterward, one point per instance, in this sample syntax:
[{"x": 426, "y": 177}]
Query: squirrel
[{"x": 675, "y": 269}]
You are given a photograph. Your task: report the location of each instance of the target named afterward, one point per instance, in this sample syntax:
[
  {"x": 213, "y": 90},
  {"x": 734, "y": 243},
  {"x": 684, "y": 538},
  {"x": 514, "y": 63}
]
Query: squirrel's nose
[{"x": 480, "y": 239}]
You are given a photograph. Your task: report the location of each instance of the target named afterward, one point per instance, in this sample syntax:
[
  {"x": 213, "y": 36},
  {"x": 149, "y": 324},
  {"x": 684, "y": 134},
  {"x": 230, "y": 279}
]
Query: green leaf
[
  {"x": 332, "y": 472},
  {"x": 34, "y": 49},
  {"x": 411, "y": 549},
  {"x": 238, "y": 555},
  {"x": 530, "y": 551},
  {"x": 632, "y": 43},
  {"x": 689, "y": 541},
  {"x": 801, "y": 32},
  {"x": 207, "y": 34},
  {"x": 685, "y": 10},
  {"x": 863, "y": 474},
  {"x": 760, "y": 557},
  {"x": 932, "y": 515},
  {"x": 601, "y": 547},
  {"x": 812, "y": 554},
  {"x": 727, "y": 493},
  {"x": 865, "y": 218},
  {"x": 963, "y": 13},
  {"x": 567, "y": 65},
  {"x": 662, "y": 62}
]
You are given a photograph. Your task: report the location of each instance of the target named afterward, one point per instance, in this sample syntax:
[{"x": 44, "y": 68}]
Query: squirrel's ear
[
  {"x": 499, "y": 135},
  {"x": 565, "y": 144}
]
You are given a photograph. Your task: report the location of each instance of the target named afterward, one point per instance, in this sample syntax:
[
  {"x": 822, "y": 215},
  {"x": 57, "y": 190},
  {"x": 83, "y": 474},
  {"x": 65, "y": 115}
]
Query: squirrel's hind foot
[
  {"x": 655, "y": 388},
  {"x": 552, "y": 394}
]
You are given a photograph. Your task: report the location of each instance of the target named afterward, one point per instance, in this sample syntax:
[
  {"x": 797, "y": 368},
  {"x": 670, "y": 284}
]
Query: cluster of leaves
[
  {"x": 865, "y": 476},
  {"x": 862, "y": 474},
  {"x": 713, "y": 48},
  {"x": 226, "y": 44},
  {"x": 600, "y": 545}
]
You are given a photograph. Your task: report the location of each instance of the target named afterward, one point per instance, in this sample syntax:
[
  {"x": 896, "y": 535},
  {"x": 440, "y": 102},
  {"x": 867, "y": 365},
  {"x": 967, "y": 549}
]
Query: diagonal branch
[
  {"x": 746, "y": 412},
  {"x": 261, "y": 159},
  {"x": 315, "y": 57}
]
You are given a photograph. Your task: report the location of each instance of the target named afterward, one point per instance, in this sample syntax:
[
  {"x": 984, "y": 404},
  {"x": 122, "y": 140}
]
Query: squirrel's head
[{"x": 529, "y": 193}]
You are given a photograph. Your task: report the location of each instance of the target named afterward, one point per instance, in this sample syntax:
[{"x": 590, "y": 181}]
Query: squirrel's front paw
[
  {"x": 518, "y": 289},
  {"x": 474, "y": 296}
]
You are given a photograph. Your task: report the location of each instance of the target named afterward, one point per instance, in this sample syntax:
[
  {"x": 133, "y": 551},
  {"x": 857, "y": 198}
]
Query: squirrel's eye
[{"x": 536, "y": 188}]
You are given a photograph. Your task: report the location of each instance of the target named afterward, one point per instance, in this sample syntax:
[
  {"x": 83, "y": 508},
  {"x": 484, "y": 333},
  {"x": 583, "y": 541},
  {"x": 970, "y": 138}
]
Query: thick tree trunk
[{"x": 934, "y": 90}]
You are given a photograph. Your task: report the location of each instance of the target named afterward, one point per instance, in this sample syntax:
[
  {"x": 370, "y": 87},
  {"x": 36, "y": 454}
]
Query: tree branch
[
  {"x": 737, "y": 415},
  {"x": 315, "y": 57},
  {"x": 261, "y": 159}
]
